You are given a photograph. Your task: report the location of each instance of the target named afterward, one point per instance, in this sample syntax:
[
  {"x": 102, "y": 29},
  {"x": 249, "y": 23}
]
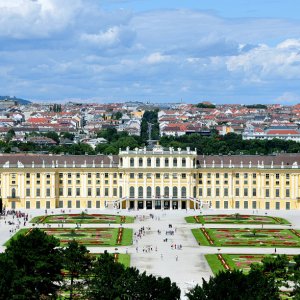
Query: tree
[
  {"x": 236, "y": 285},
  {"x": 9, "y": 135},
  {"x": 37, "y": 259},
  {"x": 77, "y": 263}
]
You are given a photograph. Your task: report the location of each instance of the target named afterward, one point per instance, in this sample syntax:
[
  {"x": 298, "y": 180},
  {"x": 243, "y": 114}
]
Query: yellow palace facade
[{"x": 150, "y": 179}]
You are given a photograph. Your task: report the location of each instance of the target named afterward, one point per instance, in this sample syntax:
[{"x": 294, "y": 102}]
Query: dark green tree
[
  {"x": 38, "y": 262},
  {"x": 77, "y": 263}
]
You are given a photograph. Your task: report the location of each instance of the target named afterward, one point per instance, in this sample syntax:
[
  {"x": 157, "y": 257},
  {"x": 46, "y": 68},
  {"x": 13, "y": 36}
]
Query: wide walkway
[{"x": 154, "y": 251}]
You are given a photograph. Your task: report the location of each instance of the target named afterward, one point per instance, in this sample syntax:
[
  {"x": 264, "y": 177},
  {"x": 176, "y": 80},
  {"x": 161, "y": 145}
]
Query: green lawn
[
  {"x": 236, "y": 219},
  {"x": 83, "y": 219},
  {"x": 214, "y": 263},
  {"x": 235, "y": 237},
  {"x": 90, "y": 237}
]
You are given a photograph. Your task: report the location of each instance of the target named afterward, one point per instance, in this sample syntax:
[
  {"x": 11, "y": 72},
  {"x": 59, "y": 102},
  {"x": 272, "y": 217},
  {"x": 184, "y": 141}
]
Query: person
[
  {"x": 275, "y": 250},
  {"x": 176, "y": 257}
]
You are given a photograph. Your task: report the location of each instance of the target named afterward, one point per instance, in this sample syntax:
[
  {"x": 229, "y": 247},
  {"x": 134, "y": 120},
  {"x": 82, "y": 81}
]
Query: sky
[{"x": 223, "y": 51}]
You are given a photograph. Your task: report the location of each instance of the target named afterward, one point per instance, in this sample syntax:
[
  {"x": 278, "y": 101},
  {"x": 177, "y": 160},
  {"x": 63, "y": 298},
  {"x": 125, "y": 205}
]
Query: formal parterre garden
[
  {"x": 82, "y": 218},
  {"x": 88, "y": 237},
  {"x": 222, "y": 262},
  {"x": 235, "y": 219},
  {"x": 236, "y": 237}
]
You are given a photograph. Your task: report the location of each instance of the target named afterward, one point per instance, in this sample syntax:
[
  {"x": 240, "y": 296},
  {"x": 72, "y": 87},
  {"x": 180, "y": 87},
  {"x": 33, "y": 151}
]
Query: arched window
[
  {"x": 131, "y": 192},
  {"x": 13, "y": 193},
  {"x": 149, "y": 192},
  {"x": 183, "y": 192},
  {"x": 120, "y": 192},
  {"x": 157, "y": 192},
  {"x": 140, "y": 162},
  {"x": 175, "y": 162},
  {"x": 158, "y": 162},
  {"x": 148, "y": 162},
  {"x": 131, "y": 162},
  {"x": 183, "y": 162},
  {"x": 166, "y": 162},
  {"x": 167, "y": 192},
  {"x": 175, "y": 192},
  {"x": 141, "y": 192}
]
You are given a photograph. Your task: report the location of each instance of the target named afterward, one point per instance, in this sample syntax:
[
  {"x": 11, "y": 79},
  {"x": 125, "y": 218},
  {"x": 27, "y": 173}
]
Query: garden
[
  {"x": 236, "y": 237},
  {"x": 222, "y": 262},
  {"x": 89, "y": 237},
  {"x": 236, "y": 219},
  {"x": 82, "y": 218}
]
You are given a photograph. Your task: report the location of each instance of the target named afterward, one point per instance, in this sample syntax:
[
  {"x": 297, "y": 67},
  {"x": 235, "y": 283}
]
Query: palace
[{"x": 153, "y": 178}]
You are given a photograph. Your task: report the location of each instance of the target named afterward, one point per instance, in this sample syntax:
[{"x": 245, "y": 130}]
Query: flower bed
[
  {"x": 82, "y": 218},
  {"x": 235, "y": 219},
  {"x": 236, "y": 237}
]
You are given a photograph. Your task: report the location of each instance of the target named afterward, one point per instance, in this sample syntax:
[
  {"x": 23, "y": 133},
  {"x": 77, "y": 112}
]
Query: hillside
[{"x": 19, "y": 100}]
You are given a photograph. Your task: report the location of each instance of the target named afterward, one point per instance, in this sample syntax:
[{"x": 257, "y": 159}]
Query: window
[
  {"x": 267, "y": 193},
  {"x": 166, "y": 175},
  {"x": 38, "y": 192},
  {"x": 245, "y": 204},
  {"x": 77, "y": 191},
  {"x": 245, "y": 175},
  {"x": 200, "y": 192},
  {"x": 89, "y": 204},
  {"x": 208, "y": 192},
  {"x": 98, "y": 204},
  {"x": 277, "y": 205},
  {"x": 106, "y": 175},
  {"x": 140, "y": 175},
  {"x": 77, "y": 175},
  {"x": 175, "y": 192},
  {"x": 253, "y": 204},
  {"x": 277, "y": 182},
  {"x": 120, "y": 192},
  {"x": 183, "y": 175},
  {"x": 217, "y": 192},
  {"x": 217, "y": 175},
  {"x": 77, "y": 181},
  {"x": 183, "y": 162},
  {"x": 237, "y": 192},
  {"x": 69, "y": 175},
  {"x": 149, "y": 192},
  {"x": 60, "y": 175},
  {"x": 254, "y": 175},
  {"x": 208, "y": 175},
  {"x": 140, "y": 192},
  {"x": 97, "y": 175},
  {"x": 61, "y": 191},
  {"x": 27, "y": 204},
  {"x": 131, "y": 175},
  {"x": 157, "y": 192},
  {"x": 237, "y": 204},
  {"x": 225, "y": 192},
  {"x": 148, "y": 175},
  {"x": 27, "y": 175},
  {"x": 98, "y": 192},
  {"x": 89, "y": 175},
  {"x": 287, "y": 193},
  {"x": 38, "y": 204},
  {"x": 157, "y": 175},
  {"x": 157, "y": 162},
  {"x": 277, "y": 193},
  {"x": 89, "y": 192},
  {"x": 237, "y": 175},
  {"x": 131, "y": 192},
  {"x": 106, "y": 192},
  {"x": 69, "y": 191},
  {"x": 77, "y": 204},
  {"x": 69, "y": 181},
  {"x": 287, "y": 176},
  {"x": 225, "y": 204},
  {"x": 167, "y": 192},
  {"x": 48, "y": 192},
  {"x": 175, "y": 175},
  {"x": 267, "y": 176},
  {"x": 245, "y": 192},
  {"x": 175, "y": 162},
  {"x": 277, "y": 176},
  {"x": 288, "y": 206},
  {"x": 254, "y": 192},
  {"x": 140, "y": 162},
  {"x": 27, "y": 192},
  {"x": 38, "y": 175},
  {"x": 217, "y": 204},
  {"x": 183, "y": 192},
  {"x": 69, "y": 204},
  {"x": 267, "y": 205},
  {"x": 115, "y": 193},
  {"x": 148, "y": 162},
  {"x": 166, "y": 162},
  {"x": 225, "y": 175}
]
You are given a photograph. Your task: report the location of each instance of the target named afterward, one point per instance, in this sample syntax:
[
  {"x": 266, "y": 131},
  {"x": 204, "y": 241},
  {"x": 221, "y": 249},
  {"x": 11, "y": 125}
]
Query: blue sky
[{"x": 224, "y": 51}]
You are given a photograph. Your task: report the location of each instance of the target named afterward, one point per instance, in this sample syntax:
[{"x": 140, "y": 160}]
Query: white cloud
[
  {"x": 288, "y": 98},
  {"x": 112, "y": 37},
  {"x": 156, "y": 58},
  {"x": 36, "y": 18}
]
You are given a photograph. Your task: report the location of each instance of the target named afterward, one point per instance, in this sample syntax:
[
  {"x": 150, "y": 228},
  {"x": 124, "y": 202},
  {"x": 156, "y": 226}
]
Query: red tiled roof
[{"x": 278, "y": 131}]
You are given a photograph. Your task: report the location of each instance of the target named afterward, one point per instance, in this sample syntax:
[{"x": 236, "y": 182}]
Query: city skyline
[{"x": 230, "y": 52}]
